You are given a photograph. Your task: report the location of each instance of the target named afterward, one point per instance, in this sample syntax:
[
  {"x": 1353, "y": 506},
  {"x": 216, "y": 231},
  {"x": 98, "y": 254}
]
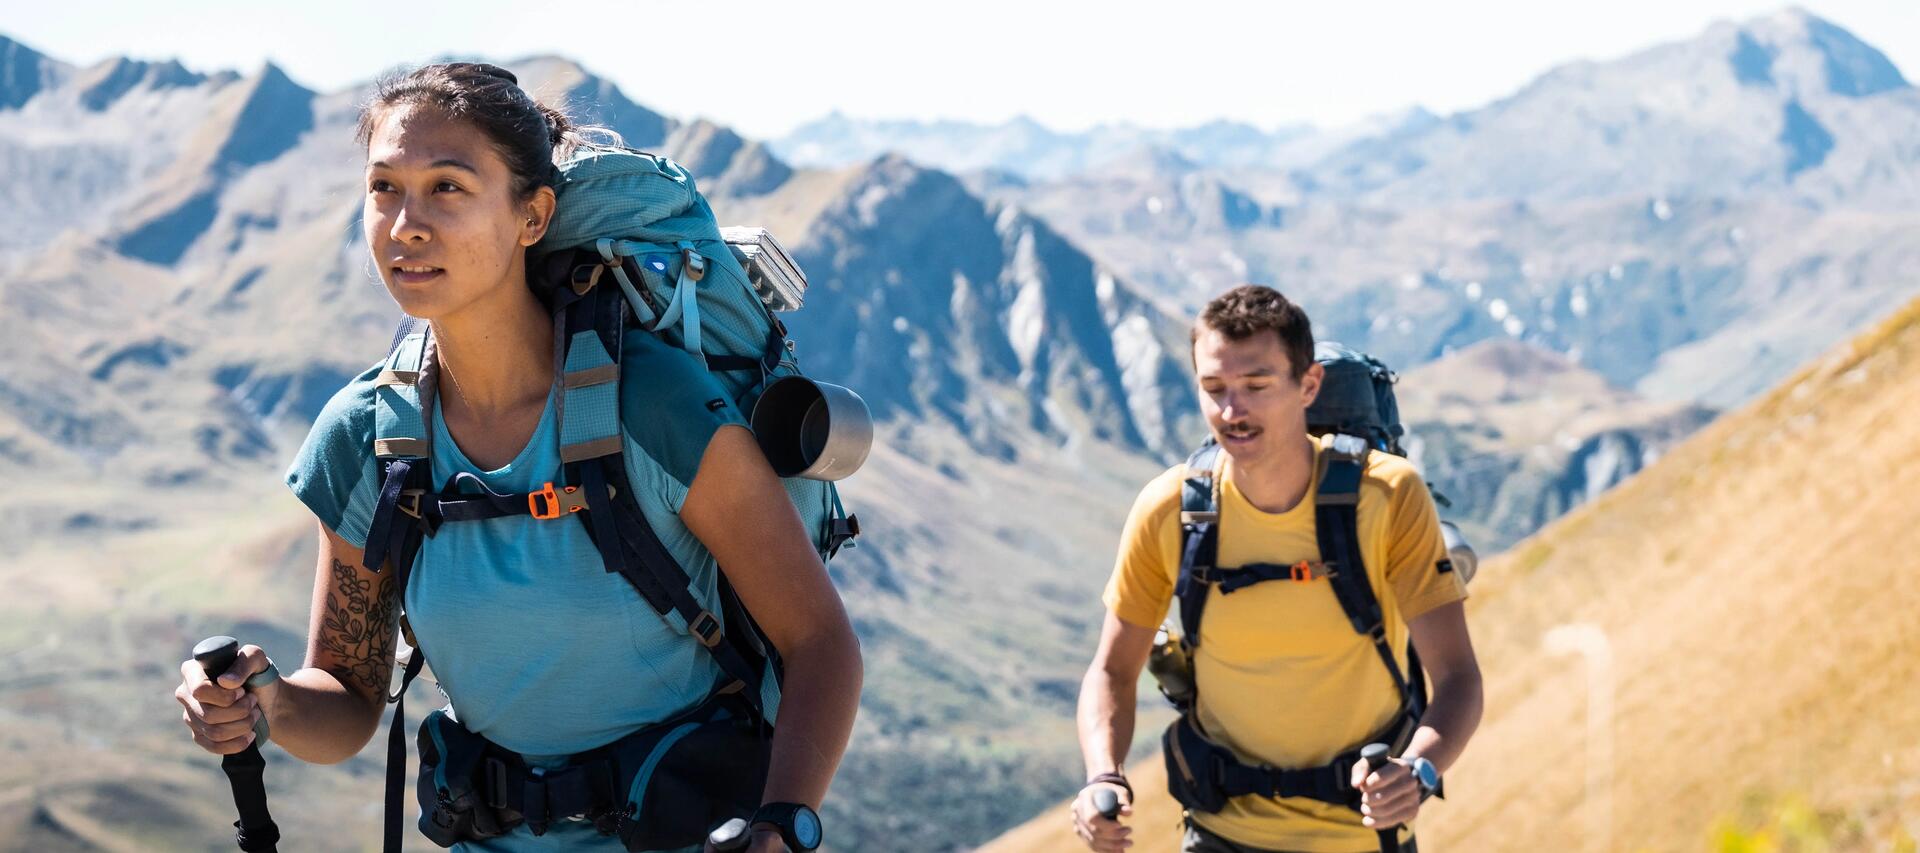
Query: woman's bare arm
[
  {"x": 742, "y": 514},
  {"x": 328, "y": 710}
]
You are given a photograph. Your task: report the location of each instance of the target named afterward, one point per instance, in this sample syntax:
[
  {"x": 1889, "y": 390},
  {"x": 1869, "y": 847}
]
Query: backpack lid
[{"x": 1356, "y": 396}]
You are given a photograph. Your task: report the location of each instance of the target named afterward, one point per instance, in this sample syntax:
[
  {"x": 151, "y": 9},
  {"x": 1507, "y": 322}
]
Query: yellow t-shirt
[{"x": 1283, "y": 678}]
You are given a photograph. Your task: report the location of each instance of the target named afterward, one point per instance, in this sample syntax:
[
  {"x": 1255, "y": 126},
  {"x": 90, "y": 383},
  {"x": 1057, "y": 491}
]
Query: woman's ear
[{"x": 538, "y": 214}]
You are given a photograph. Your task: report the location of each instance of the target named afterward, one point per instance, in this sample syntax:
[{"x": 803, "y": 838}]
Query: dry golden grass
[{"x": 1756, "y": 592}]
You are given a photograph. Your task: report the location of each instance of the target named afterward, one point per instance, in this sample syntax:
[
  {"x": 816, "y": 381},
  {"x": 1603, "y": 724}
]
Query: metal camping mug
[{"x": 812, "y": 429}]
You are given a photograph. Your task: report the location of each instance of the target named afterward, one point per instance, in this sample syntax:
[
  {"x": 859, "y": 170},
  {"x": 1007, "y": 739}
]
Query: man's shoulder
[
  {"x": 1393, "y": 473},
  {"x": 1162, "y": 493}
]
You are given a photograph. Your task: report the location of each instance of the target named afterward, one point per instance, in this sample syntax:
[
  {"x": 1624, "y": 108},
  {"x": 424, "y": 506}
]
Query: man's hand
[
  {"x": 1102, "y": 834},
  {"x": 1389, "y": 796}
]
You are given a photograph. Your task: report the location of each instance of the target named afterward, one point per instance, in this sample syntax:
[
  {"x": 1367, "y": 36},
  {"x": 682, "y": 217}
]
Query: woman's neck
[{"x": 496, "y": 356}]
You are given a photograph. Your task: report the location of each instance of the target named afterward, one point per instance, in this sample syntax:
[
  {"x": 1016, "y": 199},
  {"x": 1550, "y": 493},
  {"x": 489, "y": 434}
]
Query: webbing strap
[
  {"x": 397, "y": 756},
  {"x": 1331, "y": 784},
  {"x": 1232, "y": 580},
  {"x": 646, "y": 563}
]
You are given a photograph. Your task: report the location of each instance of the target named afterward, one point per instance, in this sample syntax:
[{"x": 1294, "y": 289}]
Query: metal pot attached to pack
[
  {"x": 1461, "y": 554},
  {"x": 810, "y": 429},
  {"x": 1171, "y": 667}
]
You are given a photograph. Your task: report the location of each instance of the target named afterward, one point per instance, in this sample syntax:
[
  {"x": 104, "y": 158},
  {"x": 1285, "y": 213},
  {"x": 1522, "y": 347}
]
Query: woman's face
[{"x": 441, "y": 217}]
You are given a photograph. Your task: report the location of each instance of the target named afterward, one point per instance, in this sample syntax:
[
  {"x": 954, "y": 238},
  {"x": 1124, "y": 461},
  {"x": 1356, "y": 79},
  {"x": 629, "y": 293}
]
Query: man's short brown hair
[{"x": 1250, "y": 309}]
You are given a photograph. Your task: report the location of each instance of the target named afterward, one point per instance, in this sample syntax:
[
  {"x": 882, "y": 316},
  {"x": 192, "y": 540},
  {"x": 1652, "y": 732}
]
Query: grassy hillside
[{"x": 1752, "y": 592}]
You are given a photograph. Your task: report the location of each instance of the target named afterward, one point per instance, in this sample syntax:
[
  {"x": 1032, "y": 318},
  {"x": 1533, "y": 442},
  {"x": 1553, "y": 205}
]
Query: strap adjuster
[
  {"x": 409, "y": 501},
  {"x": 558, "y": 502},
  {"x": 694, "y": 263},
  {"x": 706, "y": 629}
]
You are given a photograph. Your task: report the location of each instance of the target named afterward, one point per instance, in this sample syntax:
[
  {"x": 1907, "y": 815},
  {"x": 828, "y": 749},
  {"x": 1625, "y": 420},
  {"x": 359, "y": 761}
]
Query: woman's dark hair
[{"x": 529, "y": 135}]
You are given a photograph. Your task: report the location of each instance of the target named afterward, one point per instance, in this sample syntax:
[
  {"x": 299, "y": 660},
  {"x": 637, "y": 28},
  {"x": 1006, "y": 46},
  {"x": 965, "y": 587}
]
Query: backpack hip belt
[
  {"x": 1203, "y": 774},
  {"x": 664, "y": 786}
]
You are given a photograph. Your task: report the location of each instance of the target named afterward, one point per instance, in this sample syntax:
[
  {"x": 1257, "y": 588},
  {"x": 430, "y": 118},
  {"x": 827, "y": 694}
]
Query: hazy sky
[{"x": 765, "y": 66}]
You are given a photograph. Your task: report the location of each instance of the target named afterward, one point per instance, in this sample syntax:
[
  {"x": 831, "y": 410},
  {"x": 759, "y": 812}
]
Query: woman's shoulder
[
  {"x": 331, "y": 473},
  {"x": 347, "y": 418}
]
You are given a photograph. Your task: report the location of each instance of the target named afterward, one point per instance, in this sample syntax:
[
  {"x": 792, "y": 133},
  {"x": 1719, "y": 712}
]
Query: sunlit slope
[{"x": 1755, "y": 590}]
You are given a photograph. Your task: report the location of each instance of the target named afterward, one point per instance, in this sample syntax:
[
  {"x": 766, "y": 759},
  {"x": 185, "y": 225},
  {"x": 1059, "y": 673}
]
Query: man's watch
[
  {"x": 798, "y": 823},
  {"x": 1426, "y": 776}
]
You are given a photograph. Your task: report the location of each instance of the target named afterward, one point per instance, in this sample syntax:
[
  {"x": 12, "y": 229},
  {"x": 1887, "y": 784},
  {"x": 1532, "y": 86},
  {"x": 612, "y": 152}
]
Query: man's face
[{"x": 1247, "y": 391}]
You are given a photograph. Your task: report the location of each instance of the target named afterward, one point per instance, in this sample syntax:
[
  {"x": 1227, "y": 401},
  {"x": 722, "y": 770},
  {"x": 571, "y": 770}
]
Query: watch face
[
  {"x": 1429, "y": 775},
  {"x": 806, "y": 828}
]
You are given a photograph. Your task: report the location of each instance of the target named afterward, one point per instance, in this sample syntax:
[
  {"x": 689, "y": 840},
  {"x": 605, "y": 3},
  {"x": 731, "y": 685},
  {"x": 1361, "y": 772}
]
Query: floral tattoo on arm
[{"x": 357, "y": 628}]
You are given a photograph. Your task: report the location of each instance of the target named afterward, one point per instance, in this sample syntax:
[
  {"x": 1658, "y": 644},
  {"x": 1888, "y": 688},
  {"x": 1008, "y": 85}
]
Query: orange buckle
[
  {"x": 556, "y": 506},
  {"x": 1302, "y": 572}
]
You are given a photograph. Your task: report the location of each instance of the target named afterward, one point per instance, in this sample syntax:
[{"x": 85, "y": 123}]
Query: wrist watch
[
  {"x": 1426, "y": 776},
  {"x": 798, "y": 823}
]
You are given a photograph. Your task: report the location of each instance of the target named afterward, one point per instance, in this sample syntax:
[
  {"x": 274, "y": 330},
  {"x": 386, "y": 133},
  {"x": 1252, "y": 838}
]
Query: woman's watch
[
  {"x": 1426, "y": 776},
  {"x": 799, "y": 824}
]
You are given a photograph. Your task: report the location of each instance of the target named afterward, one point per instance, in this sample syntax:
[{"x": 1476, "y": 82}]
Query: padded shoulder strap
[
  {"x": 1199, "y": 539},
  {"x": 402, "y": 396},
  {"x": 593, "y": 459},
  {"x": 399, "y": 420},
  {"x": 1343, "y": 463}
]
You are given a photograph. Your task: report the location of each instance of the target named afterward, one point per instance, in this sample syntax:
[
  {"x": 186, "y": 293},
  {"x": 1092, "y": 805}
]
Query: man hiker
[{"x": 1314, "y": 560}]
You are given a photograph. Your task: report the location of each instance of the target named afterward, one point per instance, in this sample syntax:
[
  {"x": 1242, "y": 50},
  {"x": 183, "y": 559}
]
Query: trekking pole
[
  {"x": 1374, "y": 756},
  {"x": 731, "y": 837},
  {"x": 255, "y": 831},
  {"x": 1106, "y": 803}
]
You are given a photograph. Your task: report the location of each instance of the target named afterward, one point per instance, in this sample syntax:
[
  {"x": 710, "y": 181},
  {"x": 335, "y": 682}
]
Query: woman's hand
[{"x": 223, "y": 714}]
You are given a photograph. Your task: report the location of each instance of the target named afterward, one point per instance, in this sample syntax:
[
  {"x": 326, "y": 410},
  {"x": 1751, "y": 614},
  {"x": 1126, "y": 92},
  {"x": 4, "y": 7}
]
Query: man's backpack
[{"x": 632, "y": 243}]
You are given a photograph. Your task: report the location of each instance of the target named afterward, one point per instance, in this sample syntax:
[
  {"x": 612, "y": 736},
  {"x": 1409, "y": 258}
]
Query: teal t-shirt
[{"x": 537, "y": 646}]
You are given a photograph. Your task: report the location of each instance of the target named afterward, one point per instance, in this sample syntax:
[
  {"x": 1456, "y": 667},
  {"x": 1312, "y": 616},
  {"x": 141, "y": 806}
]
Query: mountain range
[{"x": 182, "y": 259}]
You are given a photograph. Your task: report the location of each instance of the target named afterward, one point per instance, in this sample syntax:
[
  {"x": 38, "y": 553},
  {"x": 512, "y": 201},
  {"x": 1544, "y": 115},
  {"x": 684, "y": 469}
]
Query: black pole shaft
[
  {"x": 246, "y": 770},
  {"x": 1374, "y": 756}
]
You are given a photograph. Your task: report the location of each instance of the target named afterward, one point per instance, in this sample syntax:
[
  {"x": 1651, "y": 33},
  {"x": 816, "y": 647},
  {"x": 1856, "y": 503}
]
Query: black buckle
[{"x": 706, "y": 629}]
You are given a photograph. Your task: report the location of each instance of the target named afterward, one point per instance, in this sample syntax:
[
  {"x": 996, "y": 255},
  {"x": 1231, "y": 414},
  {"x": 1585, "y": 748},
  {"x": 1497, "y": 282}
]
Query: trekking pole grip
[
  {"x": 216, "y": 655},
  {"x": 1375, "y": 756},
  {"x": 1106, "y": 803},
  {"x": 255, "y": 831}
]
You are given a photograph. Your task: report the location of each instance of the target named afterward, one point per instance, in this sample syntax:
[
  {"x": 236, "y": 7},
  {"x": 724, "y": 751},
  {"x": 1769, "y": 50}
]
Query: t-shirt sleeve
[
  {"x": 1149, "y": 560},
  {"x": 1416, "y": 553},
  {"x": 670, "y": 407},
  {"x": 335, "y": 473}
]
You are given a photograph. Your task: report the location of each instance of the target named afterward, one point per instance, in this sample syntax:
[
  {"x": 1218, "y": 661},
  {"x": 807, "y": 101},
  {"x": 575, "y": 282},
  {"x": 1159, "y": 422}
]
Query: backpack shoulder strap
[
  {"x": 402, "y": 444},
  {"x": 588, "y": 329},
  {"x": 1343, "y": 463},
  {"x": 1199, "y": 539},
  {"x": 403, "y": 396}
]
